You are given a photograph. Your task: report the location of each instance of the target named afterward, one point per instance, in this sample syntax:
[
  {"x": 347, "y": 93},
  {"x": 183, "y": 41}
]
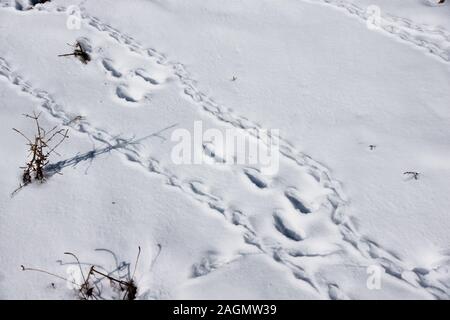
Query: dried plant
[
  {"x": 89, "y": 288},
  {"x": 35, "y": 2},
  {"x": 413, "y": 174},
  {"x": 28, "y": 4},
  {"x": 78, "y": 52},
  {"x": 127, "y": 287},
  {"x": 41, "y": 147}
]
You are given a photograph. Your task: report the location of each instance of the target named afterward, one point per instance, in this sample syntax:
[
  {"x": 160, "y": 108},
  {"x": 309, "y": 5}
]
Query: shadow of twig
[{"x": 121, "y": 143}]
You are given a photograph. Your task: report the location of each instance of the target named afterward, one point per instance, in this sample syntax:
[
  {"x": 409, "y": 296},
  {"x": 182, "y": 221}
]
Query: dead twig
[
  {"x": 88, "y": 286},
  {"x": 79, "y": 53},
  {"x": 413, "y": 174}
]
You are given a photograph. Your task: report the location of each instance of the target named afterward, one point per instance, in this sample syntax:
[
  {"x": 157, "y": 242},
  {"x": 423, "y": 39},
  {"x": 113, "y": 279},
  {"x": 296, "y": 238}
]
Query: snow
[{"x": 316, "y": 70}]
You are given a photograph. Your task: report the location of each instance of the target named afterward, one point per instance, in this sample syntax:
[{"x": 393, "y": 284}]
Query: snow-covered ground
[{"x": 334, "y": 77}]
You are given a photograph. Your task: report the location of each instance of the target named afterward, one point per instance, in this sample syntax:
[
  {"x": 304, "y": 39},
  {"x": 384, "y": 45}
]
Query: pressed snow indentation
[
  {"x": 107, "y": 63},
  {"x": 146, "y": 76},
  {"x": 133, "y": 84},
  {"x": 256, "y": 178},
  {"x": 296, "y": 201},
  {"x": 287, "y": 227},
  {"x": 124, "y": 93}
]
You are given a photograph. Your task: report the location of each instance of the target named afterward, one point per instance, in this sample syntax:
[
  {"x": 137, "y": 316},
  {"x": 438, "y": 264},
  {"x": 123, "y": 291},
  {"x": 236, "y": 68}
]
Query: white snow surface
[{"x": 312, "y": 69}]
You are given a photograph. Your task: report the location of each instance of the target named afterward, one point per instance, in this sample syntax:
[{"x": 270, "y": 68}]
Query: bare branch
[{"x": 22, "y": 134}]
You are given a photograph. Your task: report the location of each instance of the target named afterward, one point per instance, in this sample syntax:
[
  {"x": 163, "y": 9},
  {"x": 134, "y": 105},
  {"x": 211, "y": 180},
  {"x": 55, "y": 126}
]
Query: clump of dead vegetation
[
  {"x": 24, "y": 5},
  {"x": 412, "y": 174},
  {"x": 41, "y": 146},
  {"x": 95, "y": 284},
  {"x": 35, "y": 2},
  {"x": 78, "y": 52}
]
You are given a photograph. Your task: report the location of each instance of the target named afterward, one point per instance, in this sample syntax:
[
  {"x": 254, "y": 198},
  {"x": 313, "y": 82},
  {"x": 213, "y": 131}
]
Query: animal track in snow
[
  {"x": 205, "y": 266},
  {"x": 209, "y": 263},
  {"x": 147, "y": 77},
  {"x": 336, "y": 293},
  {"x": 287, "y": 227},
  {"x": 124, "y": 93},
  {"x": 211, "y": 151},
  {"x": 133, "y": 85},
  {"x": 297, "y": 202},
  {"x": 108, "y": 65},
  {"x": 435, "y": 41},
  {"x": 256, "y": 178}
]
